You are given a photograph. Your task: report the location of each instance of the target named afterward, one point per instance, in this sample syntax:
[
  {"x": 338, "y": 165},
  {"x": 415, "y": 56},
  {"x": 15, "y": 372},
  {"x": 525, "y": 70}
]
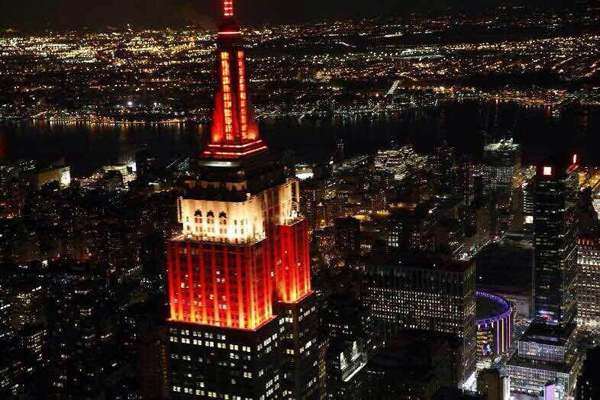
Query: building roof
[
  {"x": 424, "y": 261},
  {"x": 491, "y": 308}
]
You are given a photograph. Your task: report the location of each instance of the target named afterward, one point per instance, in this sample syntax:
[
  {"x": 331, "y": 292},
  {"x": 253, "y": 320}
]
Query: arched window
[
  {"x": 210, "y": 216},
  {"x": 198, "y": 216},
  {"x": 223, "y": 223}
]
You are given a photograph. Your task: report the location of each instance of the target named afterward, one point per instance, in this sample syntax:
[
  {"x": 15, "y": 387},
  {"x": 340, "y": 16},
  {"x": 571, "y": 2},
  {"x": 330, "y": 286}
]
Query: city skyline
[{"x": 376, "y": 200}]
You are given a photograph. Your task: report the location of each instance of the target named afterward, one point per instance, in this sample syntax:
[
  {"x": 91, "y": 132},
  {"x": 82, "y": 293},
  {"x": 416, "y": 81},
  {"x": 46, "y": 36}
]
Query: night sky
[{"x": 41, "y": 14}]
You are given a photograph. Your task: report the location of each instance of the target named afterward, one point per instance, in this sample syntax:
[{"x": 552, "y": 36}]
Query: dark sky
[{"x": 39, "y": 14}]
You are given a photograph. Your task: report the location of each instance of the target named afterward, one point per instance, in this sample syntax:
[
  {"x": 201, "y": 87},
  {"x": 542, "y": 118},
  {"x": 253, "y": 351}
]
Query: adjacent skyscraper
[
  {"x": 555, "y": 242},
  {"x": 425, "y": 293},
  {"x": 493, "y": 384},
  {"x": 588, "y": 286},
  {"x": 547, "y": 352},
  {"x": 243, "y": 318},
  {"x": 502, "y": 169},
  {"x": 588, "y": 383}
]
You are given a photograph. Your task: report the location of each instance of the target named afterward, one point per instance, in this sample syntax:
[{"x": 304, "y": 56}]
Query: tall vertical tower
[
  {"x": 242, "y": 314},
  {"x": 555, "y": 241},
  {"x": 547, "y": 351}
]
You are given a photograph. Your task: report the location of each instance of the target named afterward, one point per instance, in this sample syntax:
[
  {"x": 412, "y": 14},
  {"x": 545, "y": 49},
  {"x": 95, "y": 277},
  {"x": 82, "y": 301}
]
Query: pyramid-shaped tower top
[{"x": 234, "y": 131}]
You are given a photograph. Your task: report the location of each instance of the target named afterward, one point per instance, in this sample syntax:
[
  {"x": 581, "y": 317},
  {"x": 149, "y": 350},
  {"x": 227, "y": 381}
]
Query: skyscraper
[
  {"x": 494, "y": 384},
  {"x": 502, "y": 168},
  {"x": 555, "y": 242},
  {"x": 547, "y": 352},
  {"x": 347, "y": 236},
  {"x": 588, "y": 383},
  {"x": 348, "y": 326},
  {"x": 426, "y": 293},
  {"x": 242, "y": 313},
  {"x": 588, "y": 286},
  {"x": 413, "y": 365}
]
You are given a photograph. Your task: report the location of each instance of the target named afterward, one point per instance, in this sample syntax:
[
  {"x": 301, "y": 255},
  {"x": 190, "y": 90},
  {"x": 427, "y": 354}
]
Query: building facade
[
  {"x": 431, "y": 294},
  {"x": 242, "y": 313},
  {"x": 588, "y": 285},
  {"x": 347, "y": 236},
  {"x": 588, "y": 383},
  {"x": 547, "y": 351},
  {"x": 494, "y": 325},
  {"x": 502, "y": 168},
  {"x": 494, "y": 384},
  {"x": 555, "y": 242}
]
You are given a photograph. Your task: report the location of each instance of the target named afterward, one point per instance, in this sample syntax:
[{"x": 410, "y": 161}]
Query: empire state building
[{"x": 242, "y": 313}]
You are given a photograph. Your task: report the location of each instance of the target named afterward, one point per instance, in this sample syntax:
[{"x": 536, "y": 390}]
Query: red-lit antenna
[
  {"x": 234, "y": 131},
  {"x": 228, "y": 8}
]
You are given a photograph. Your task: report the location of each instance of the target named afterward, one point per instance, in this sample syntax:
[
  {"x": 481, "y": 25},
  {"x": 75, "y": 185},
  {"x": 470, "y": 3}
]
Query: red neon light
[
  {"x": 233, "y": 146},
  {"x": 227, "y": 96},
  {"x": 233, "y": 285},
  {"x": 242, "y": 96},
  {"x": 233, "y": 118},
  {"x": 547, "y": 171},
  {"x": 293, "y": 272},
  {"x": 574, "y": 158},
  {"x": 219, "y": 284},
  {"x": 228, "y": 8},
  {"x": 234, "y": 132},
  {"x": 225, "y": 154}
]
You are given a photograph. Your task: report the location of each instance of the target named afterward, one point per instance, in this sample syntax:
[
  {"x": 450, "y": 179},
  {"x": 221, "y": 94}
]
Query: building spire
[
  {"x": 234, "y": 131},
  {"x": 228, "y": 8}
]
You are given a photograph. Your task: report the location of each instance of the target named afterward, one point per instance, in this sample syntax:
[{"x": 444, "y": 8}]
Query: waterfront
[{"x": 463, "y": 125}]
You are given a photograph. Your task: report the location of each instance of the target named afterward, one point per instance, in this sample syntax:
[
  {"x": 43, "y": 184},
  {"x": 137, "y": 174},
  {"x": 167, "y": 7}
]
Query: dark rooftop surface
[
  {"x": 488, "y": 307},
  {"x": 505, "y": 265}
]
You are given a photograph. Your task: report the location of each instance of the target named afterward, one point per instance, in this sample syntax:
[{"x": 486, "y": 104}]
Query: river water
[{"x": 463, "y": 125}]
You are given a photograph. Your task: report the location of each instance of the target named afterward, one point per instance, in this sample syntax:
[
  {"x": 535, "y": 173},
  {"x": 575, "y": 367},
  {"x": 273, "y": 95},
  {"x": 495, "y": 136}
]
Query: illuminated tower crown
[
  {"x": 244, "y": 245},
  {"x": 243, "y": 321},
  {"x": 234, "y": 131}
]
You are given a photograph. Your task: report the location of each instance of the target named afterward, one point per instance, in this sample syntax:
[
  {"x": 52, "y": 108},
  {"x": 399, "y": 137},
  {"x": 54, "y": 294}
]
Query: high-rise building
[
  {"x": 444, "y": 174},
  {"x": 152, "y": 363},
  {"x": 528, "y": 203},
  {"x": 555, "y": 242},
  {"x": 547, "y": 352},
  {"x": 83, "y": 345},
  {"x": 414, "y": 365},
  {"x": 409, "y": 228},
  {"x": 345, "y": 362},
  {"x": 432, "y": 294},
  {"x": 6, "y": 329},
  {"x": 502, "y": 167},
  {"x": 494, "y": 384},
  {"x": 12, "y": 371},
  {"x": 588, "y": 285},
  {"x": 347, "y": 236},
  {"x": 242, "y": 313},
  {"x": 348, "y": 327},
  {"x": 588, "y": 383},
  {"x": 26, "y": 306}
]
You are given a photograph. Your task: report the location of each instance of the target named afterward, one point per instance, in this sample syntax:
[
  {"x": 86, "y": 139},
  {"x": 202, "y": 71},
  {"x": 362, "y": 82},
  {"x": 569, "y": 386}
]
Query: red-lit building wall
[
  {"x": 236, "y": 259},
  {"x": 220, "y": 284},
  {"x": 223, "y": 281},
  {"x": 293, "y": 272}
]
